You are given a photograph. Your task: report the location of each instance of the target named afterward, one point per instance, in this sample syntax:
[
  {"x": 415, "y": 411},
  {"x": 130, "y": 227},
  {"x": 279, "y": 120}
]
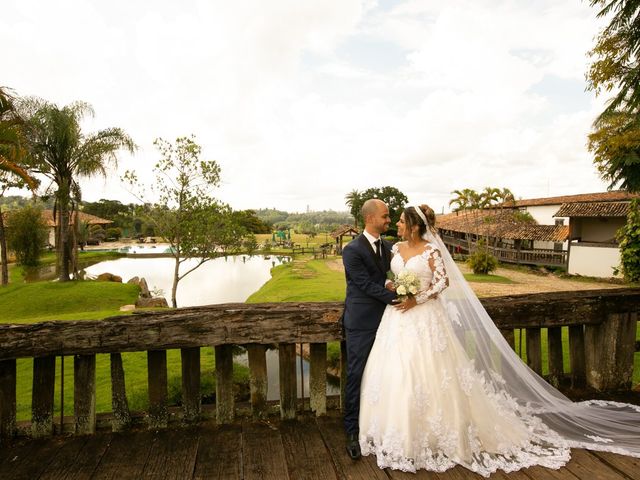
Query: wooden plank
[
  {"x": 121, "y": 419},
  {"x": 263, "y": 453},
  {"x": 126, "y": 456},
  {"x": 312, "y": 322},
  {"x": 556, "y": 369},
  {"x": 84, "y": 394},
  {"x": 157, "y": 381},
  {"x": 318, "y": 378},
  {"x": 225, "y": 402},
  {"x": 191, "y": 399},
  {"x": 343, "y": 374},
  {"x": 172, "y": 455},
  {"x": 541, "y": 473},
  {"x": 629, "y": 466},
  {"x": 31, "y": 459},
  {"x": 258, "y": 379},
  {"x": 219, "y": 453},
  {"x": 305, "y": 452},
  {"x": 577, "y": 356},
  {"x": 7, "y": 399},
  {"x": 44, "y": 376},
  {"x": 534, "y": 350},
  {"x": 332, "y": 431},
  {"x": 76, "y": 458},
  {"x": 288, "y": 381},
  {"x": 583, "y": 464}
]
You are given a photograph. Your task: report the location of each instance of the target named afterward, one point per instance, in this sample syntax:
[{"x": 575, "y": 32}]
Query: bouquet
[{"x": 407, "y": 284}]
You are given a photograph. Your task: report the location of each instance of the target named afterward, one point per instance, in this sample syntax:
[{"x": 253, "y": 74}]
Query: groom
[{"x": 366, "y": 262}]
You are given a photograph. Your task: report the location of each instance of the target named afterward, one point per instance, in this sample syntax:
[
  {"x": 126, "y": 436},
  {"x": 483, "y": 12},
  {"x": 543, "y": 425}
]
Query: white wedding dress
[{"x": 426, "y": 405}]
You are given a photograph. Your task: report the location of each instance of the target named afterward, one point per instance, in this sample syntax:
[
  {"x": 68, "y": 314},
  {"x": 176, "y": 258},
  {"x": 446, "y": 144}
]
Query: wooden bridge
[{"x": 305, "y": 440}]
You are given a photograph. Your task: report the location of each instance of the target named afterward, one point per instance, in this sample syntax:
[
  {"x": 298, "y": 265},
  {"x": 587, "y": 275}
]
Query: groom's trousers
[{"x": 359, "y": 343}]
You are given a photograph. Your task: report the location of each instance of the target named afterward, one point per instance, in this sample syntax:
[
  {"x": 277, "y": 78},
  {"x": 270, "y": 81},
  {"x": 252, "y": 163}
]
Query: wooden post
[
  {"x": 288, "y": 383},
  {"x": 343, "y": 374},
  {"x": 534, "y": 350},
  {"x": 258, "y": 379},
  {"x": 121, "y": 418},
  {"x": 84, "y": 394},
  {"x": 609, "y": 351},
  {"x": 44, "y": 377},
  {"x": 7, "y": 398},
  {"x": 318, "y": 378},
  {"x": 191, "y": 401},
  {"x": 157, "y": 382},
  {"x": 577, "y": 356},
  {"x": 225, "y": 403},
  {"x": 509, "y": 336},
  {"x": 556, "y": 370}
]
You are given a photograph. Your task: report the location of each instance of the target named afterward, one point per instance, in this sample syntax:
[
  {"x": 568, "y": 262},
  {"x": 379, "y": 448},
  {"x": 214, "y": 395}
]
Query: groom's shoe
[{"x": 353, "y": 446}]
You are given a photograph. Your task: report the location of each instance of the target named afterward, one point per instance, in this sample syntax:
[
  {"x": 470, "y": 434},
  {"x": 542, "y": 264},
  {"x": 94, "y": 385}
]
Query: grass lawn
[{"x": 472, "y": 277}]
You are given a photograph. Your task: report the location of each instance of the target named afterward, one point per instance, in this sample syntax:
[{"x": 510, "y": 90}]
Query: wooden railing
[
  {"x": 535, "y": 256},
  {"x": 602, "y": 341}
]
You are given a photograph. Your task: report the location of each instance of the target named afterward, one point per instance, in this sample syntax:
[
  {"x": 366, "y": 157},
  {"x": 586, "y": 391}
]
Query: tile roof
[
  {"x": 594, "y": 209},
  {"x": 506, "y": 224},
  {"x": 47, "y": 215},
  {"x": 344, "y": 230},
  {"x": 613, "y": 196}
]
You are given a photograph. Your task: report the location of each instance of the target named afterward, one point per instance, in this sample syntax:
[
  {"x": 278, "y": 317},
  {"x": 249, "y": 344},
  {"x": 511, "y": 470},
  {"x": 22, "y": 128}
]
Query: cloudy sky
[{"x": 302, "y": 101}]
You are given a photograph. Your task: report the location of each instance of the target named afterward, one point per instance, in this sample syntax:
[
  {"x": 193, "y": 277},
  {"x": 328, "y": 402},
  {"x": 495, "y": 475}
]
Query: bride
[{"x": 443, "y": 387}]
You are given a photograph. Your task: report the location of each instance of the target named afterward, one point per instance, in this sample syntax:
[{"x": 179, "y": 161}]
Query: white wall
[
  {"x": 543, "y": 214},
  {"x": 593, "y": 261},
  {"x": 597, "y": 229}
]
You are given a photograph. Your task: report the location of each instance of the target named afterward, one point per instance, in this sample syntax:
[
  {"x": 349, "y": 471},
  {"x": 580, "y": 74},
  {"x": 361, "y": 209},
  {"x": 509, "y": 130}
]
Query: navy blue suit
[{"x": 365, "y": 302}]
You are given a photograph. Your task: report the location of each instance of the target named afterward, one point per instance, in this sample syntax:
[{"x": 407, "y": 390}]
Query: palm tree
[
  {"x": 12, "y": 153},
  {"x": 505, "y": 196},
  {"x": 354, "y": 202},
  {"x": 64, "y": 154}
]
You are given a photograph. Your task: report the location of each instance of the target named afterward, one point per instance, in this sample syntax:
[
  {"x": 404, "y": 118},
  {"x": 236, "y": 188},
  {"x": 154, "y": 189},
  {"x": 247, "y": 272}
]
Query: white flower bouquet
[{"x": 407, "y": 284}]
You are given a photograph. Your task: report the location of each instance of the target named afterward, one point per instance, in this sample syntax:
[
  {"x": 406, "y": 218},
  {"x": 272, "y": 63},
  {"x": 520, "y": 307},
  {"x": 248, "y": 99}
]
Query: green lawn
[{"x": 472, "y": 277}]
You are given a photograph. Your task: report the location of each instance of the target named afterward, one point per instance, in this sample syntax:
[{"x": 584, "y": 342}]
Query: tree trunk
[
  {"x": 73, "y": 233},
  {"x": 176, "y": 279},
  {"x": 3, "y": 252},
  {"x": 62, "y": 248}
]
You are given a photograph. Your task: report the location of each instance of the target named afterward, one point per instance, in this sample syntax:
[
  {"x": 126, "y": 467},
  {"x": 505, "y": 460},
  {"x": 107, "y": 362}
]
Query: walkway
[{"x": 303, "y": 449}]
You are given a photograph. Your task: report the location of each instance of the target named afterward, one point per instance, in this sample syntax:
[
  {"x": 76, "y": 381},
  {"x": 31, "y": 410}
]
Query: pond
[{"x": 221, "y": 280}]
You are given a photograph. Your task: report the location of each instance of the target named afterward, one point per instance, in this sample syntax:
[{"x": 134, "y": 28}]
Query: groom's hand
[{"x": 390, "y": 286}]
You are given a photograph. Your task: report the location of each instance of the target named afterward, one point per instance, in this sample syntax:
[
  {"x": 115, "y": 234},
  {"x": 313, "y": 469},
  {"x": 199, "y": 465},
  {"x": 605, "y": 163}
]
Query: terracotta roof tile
[
  {"x": 343, "y": 230},
  {"x": 613, "y": 196},
  {"x": 594, "y": 209}
]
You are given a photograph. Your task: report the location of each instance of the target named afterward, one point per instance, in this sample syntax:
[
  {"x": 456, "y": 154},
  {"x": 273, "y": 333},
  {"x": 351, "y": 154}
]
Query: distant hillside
[{"x": 325, "y": 220}]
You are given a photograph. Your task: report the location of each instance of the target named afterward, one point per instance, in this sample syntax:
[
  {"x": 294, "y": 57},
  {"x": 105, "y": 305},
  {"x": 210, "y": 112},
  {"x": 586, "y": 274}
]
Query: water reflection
[{"x": 220, "y": 280}]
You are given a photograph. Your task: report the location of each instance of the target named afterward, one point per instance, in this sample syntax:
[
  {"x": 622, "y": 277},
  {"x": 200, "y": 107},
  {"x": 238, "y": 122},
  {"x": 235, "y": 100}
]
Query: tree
[
  {"x": 12, "y": 171},
  {"x": 196, "y": 225},
  {"x": 27, "y": 233},
  {"x": 354, "y": 201},
  {"x": 394, "y": 198},
  {"x": 615, "y": 141},
  {"x": 64, "y": 154},
  {"x": 629, "y": 239}
]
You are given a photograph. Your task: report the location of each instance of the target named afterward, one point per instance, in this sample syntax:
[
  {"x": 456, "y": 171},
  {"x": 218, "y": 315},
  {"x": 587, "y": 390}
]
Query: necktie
[{"x": 377, "y": 244}]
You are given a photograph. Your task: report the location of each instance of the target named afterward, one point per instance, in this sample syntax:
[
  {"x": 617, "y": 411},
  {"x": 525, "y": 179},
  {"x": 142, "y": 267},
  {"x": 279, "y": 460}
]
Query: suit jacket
[{"x": 366, "y": 274}]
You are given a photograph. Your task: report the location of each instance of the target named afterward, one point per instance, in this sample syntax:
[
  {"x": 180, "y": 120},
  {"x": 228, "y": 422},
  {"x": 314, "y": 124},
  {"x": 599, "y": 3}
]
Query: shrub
[
  {"x": 27, "y": 234},
  {"x": 113, "y": 232},
  {"x": 629, "y": 239},
  {"x": 481, "y": 261}
]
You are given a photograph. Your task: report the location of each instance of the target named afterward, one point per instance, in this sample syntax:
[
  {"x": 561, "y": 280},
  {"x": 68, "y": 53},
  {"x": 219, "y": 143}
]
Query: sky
[{"x": 301, "y": 102}]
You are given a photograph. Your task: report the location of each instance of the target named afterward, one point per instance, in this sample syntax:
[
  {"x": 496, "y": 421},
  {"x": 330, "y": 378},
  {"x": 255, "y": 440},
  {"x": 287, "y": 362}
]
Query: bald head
[{"x": 375, "y": 214}]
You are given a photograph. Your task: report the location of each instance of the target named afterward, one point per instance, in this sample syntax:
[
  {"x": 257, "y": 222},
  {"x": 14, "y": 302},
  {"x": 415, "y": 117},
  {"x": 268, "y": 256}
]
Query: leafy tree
[
  {"x": 27, "y": 233},
  {"x": 354, "y": 201},
  {"x": 64, "y": 154},
  {"x": 394, "y": 198},
  {"x": 13, "y": 173},
  {"x": 120, "y": 214},
  {"x": 196, "y": 225},
  {"x": 251, "y": 222},
  {"x": 615, "y": 141}
]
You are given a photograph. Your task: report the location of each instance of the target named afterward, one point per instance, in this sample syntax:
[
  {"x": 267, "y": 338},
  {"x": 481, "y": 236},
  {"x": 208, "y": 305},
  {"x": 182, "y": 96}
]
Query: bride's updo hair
[{"x": 412, "y": 218}]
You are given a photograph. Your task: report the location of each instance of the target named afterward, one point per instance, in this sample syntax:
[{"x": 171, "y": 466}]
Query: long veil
[{"x": 595, "y": 424}]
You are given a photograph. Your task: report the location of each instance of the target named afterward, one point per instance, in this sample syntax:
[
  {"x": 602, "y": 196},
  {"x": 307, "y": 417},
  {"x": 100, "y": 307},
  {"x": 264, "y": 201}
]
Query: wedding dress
[{"x": 442, "y": 387}]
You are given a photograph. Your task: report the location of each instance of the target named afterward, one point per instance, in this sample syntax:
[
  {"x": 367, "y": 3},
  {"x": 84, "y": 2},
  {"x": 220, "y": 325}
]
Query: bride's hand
[{"x": 408, "y": 304}]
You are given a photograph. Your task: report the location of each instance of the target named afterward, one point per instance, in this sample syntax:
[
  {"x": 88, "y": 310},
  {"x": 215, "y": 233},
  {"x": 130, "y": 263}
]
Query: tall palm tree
[
  {"x": 12, "y": 154},
  {"x": 64, "y": 154},
  {"x": 505, "y": 196},
  {"x": 354, "y": 202}
]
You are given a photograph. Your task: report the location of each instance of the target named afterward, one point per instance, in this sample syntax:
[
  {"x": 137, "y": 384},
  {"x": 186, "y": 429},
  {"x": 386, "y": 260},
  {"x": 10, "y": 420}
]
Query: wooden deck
[{"x": 307, "y": 448}]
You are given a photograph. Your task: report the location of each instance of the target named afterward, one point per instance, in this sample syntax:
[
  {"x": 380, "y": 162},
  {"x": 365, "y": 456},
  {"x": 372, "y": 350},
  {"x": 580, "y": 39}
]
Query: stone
[
  {"x": 155, "y": 302},
  {"x": 127, "y": 308},
  {"x": 109, "y": 277},
  {"x": 142, "y": 283}
]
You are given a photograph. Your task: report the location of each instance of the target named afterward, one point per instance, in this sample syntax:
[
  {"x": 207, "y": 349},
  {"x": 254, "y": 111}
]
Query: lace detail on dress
[{"x": 439, "y": 279}]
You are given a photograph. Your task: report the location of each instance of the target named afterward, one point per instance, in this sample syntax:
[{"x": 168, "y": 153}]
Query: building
[{"x": 87, "y": 218}]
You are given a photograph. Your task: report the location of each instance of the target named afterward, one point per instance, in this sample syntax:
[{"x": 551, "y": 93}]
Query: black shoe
[{"x": 353, "y": 446}]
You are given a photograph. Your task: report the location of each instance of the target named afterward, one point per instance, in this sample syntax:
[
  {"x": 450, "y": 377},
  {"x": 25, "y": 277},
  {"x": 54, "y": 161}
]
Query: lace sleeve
[{"x": 439, "y": 278}]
